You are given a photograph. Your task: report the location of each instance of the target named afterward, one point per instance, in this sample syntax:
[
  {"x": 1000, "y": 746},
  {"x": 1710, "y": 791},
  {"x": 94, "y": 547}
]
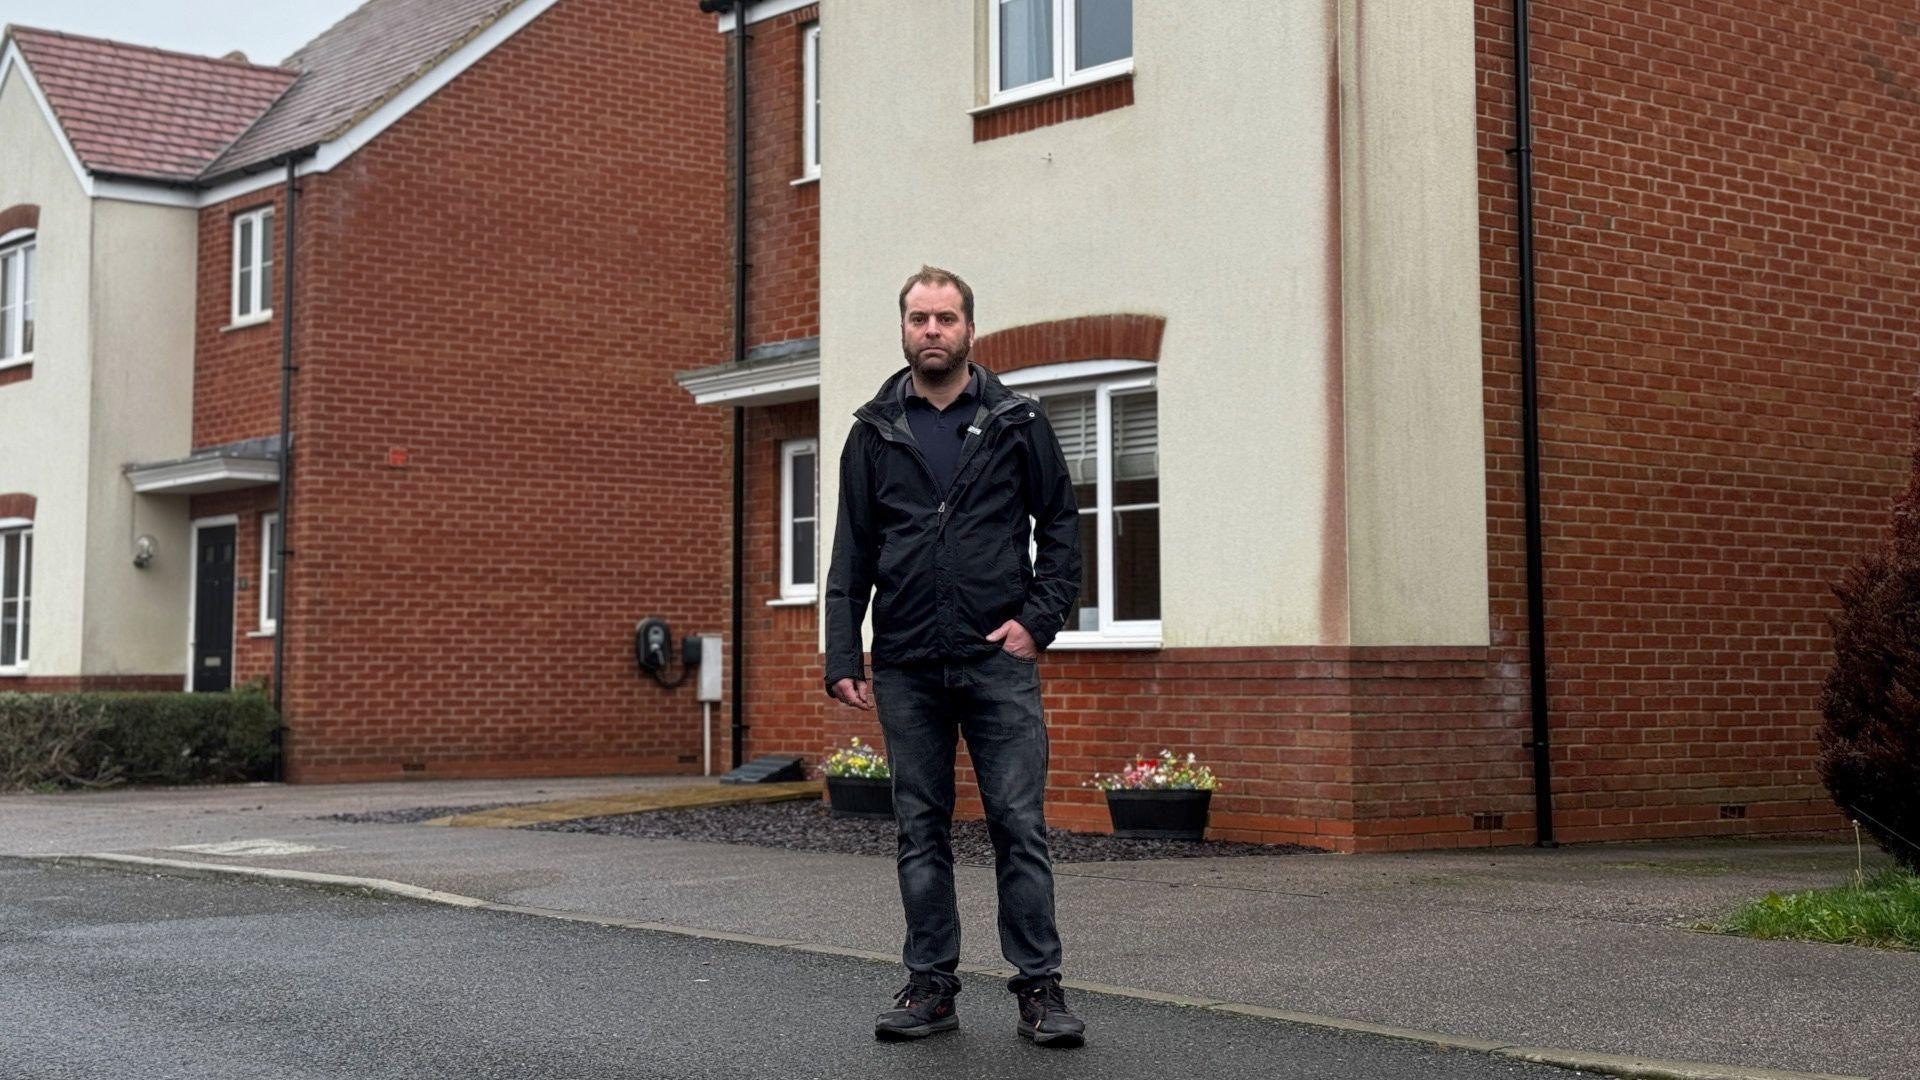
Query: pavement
[{"x": 1585, "y": 955}]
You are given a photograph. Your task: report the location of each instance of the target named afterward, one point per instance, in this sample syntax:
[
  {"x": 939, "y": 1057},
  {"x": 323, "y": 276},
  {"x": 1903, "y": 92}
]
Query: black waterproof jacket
[{"x": 945, "y": 569}]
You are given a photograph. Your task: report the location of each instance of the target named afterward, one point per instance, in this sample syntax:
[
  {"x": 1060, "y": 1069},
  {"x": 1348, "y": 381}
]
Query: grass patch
[{"x": 1882, "y": 911}]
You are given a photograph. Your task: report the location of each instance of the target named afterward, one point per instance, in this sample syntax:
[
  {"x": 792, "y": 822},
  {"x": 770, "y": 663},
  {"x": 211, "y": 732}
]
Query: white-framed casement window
[
  {"x": 16, "y": 595},
  {"x": 1039, "y": 46},
  {"x": 799, "y": 519},
  {"x": 253, "y": 266},
  {"x": 1106, "y": 415},
  {"x": 17, "y": 252},
  {"x": 810, "y": 105},
  {"x": 269, "y": 572}
]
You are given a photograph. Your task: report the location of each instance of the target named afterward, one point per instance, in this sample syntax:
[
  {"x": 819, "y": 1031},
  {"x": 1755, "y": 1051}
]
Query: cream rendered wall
[
  {"x": 1294, "y": 191},
  {"x": 1416, "y": 444},
  {"x": 44, "y": 421},
  {"x": 1208, "y": 201},
  {"x": 143, "y": 296}
]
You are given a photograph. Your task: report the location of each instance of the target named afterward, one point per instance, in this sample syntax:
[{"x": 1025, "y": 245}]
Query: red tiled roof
[
  {"x": 138, "y": 111},
  {"x": 356, "y": 66}
]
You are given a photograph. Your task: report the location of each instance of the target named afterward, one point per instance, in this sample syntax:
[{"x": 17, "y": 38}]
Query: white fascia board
[
  {"x": 205, "y": 475},
  {"x": 762, "y": 11},
  {"x": 12, "y": 59},
  {"x": 761, "y": 384}
]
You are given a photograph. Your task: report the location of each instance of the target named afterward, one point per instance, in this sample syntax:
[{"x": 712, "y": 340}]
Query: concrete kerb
[{"x": 1625, "y": 1066}]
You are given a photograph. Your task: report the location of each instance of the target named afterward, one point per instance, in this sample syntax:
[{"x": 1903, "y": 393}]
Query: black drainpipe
[
  {"x": 287, "y": 370},
  {"x": 1530, "y": 426},
  {"x": 737, "y": 687}
]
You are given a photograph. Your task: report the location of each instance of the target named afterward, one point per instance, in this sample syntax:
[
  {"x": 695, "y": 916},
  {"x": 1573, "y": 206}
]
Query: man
[{"x": 938, "y": 481}]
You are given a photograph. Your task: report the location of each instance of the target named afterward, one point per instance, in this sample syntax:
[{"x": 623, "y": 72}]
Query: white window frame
[
  {"x": 1104, "y": 379},
  {"x": 1064, "y": 14},
  {"x": 261, "y": 251},
  {"x": 810, "y": 104},
  {"x": 24, "y": 529},
  {"x": 789, "y": 591},
  {"x": 269, "y": 539},
  {"x": 21, "y": 244}
]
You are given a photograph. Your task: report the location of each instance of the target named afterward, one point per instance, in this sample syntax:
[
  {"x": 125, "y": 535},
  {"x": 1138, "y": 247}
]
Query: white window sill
[
  {"x": 805, "y": 180},
  {"x": 794, "y": 601},
  {"x": 251, "y": 320},
  {"x": 268, "y": 632},
  {"x": 1049, "y": 89},
  {"x": 1093, "y": 642},
  {"x": 14, "y": 672},
  {"x": 15, "y": 361}
]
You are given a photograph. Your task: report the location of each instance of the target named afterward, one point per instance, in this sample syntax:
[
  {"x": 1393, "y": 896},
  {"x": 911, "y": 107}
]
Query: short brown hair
[{"x": 933, "y": 275}]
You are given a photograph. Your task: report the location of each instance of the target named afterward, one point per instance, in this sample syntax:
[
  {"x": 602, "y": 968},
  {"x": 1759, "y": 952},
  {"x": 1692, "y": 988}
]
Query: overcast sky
[{"x": 265, "y": 31}]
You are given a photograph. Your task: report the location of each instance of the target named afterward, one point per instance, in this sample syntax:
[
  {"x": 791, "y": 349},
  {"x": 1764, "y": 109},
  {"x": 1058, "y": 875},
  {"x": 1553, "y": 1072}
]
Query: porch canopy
[{"x": 244, "y": 464}]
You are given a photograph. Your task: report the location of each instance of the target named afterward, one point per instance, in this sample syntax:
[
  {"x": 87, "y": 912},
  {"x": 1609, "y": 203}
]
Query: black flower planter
[
  {"x": 1155, "y": 814},
  {"x": 859, "y": 797}
]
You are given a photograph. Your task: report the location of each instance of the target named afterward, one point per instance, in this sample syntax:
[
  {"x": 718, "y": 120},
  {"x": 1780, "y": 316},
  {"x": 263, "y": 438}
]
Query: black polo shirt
[{"x": 942, "y": 432}]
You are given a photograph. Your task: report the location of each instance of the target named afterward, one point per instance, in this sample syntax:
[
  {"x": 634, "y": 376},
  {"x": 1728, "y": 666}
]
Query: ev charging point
[{"x": 707, "y": 690}]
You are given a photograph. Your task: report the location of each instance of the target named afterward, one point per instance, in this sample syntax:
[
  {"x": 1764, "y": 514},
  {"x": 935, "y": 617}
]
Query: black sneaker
[
  {"x": 1045, "y": 1018},
  {"x": 919, "y": 1010}
]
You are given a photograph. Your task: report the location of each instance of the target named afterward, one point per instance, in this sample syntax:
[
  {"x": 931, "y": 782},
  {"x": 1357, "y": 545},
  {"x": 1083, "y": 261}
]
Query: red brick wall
[
  {"x": 236, "y": 372},
  {"x": 783, "y": 219},
  {"x": 1726, "y": 221},
  {"x": 501, "y": 286}
]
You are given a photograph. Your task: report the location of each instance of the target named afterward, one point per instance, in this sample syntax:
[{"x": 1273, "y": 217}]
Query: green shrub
[
  {"x": 92, "y": 740},
  {"x": 1870, "y": 742}
]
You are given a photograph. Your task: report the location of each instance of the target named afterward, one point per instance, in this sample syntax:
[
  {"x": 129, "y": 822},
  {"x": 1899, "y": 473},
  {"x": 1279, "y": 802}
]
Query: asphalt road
[{"x": 106, "y": 975}]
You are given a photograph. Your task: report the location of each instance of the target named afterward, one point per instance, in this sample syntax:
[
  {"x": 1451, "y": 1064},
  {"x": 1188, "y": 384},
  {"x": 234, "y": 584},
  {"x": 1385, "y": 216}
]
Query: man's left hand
[{"x": 1014, "y": 639}]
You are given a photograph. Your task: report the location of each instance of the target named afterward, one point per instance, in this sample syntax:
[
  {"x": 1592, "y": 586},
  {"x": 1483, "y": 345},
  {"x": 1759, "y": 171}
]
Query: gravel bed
[
  {"x": 413, "y": 814},
  {"x": 807, "y": 825}
]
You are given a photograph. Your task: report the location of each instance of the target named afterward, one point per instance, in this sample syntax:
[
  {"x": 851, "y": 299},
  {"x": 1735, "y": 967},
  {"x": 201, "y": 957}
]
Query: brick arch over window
[
  {"x": 16, "y": 505},
  {"x": 1090, "y": 337},
  {"x": 22, "y": 216}
]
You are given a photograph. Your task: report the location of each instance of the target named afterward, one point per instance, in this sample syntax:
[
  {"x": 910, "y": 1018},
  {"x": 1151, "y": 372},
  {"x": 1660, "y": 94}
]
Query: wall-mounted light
[{"x": 143, "y": 550}]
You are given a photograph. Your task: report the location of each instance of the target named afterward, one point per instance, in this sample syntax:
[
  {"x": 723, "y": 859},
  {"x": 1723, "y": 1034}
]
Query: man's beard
[{"x": 956, "y": 363}]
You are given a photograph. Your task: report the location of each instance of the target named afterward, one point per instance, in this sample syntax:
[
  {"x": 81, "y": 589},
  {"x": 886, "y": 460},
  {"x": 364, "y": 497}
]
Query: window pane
[
  {"x": 9, "y": 283},
  {"x": 1026, "y": 42},
  {"x": 803, "y": 552},
  {"x": 1136, "y": 449},
  {"x": 1136, "y": 564},
  {"x": 10, "y": 552},
  {"x": 1102, "y": 31},
  {"x": 1089, "y": 575},
  {"x": 1075, "y": 420},
  {"x": 804, "y": 495},
  {"x": 264, "y": 299},
  {"x": 26, "y": 299}
]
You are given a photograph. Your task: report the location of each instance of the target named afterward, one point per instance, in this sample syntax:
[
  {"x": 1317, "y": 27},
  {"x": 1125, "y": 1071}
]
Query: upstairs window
[
  {"x": 1039, "y": 46},
  {"x": 253, "y": 266},
  {"x": 810, "y": 106},
  {"x": 16, "y": 298},
  {"x": 16, "y": 595}
]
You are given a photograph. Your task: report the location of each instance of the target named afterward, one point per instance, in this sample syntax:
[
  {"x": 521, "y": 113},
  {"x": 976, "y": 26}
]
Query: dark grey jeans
[{"x": 995, "y": 704}]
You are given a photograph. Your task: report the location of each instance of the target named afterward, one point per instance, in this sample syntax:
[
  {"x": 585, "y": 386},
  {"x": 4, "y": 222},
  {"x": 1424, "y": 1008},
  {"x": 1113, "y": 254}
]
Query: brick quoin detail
[
  {"x": 19, "y": 216},
  {"x": 17, "y": 505},
  {"x": 1074, "y": 104},
  {"x": 1091, "y": 337}
]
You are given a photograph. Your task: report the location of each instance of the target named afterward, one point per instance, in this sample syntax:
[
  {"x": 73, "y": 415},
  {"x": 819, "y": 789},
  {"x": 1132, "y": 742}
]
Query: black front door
[{"x": 213, "y": 610}]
